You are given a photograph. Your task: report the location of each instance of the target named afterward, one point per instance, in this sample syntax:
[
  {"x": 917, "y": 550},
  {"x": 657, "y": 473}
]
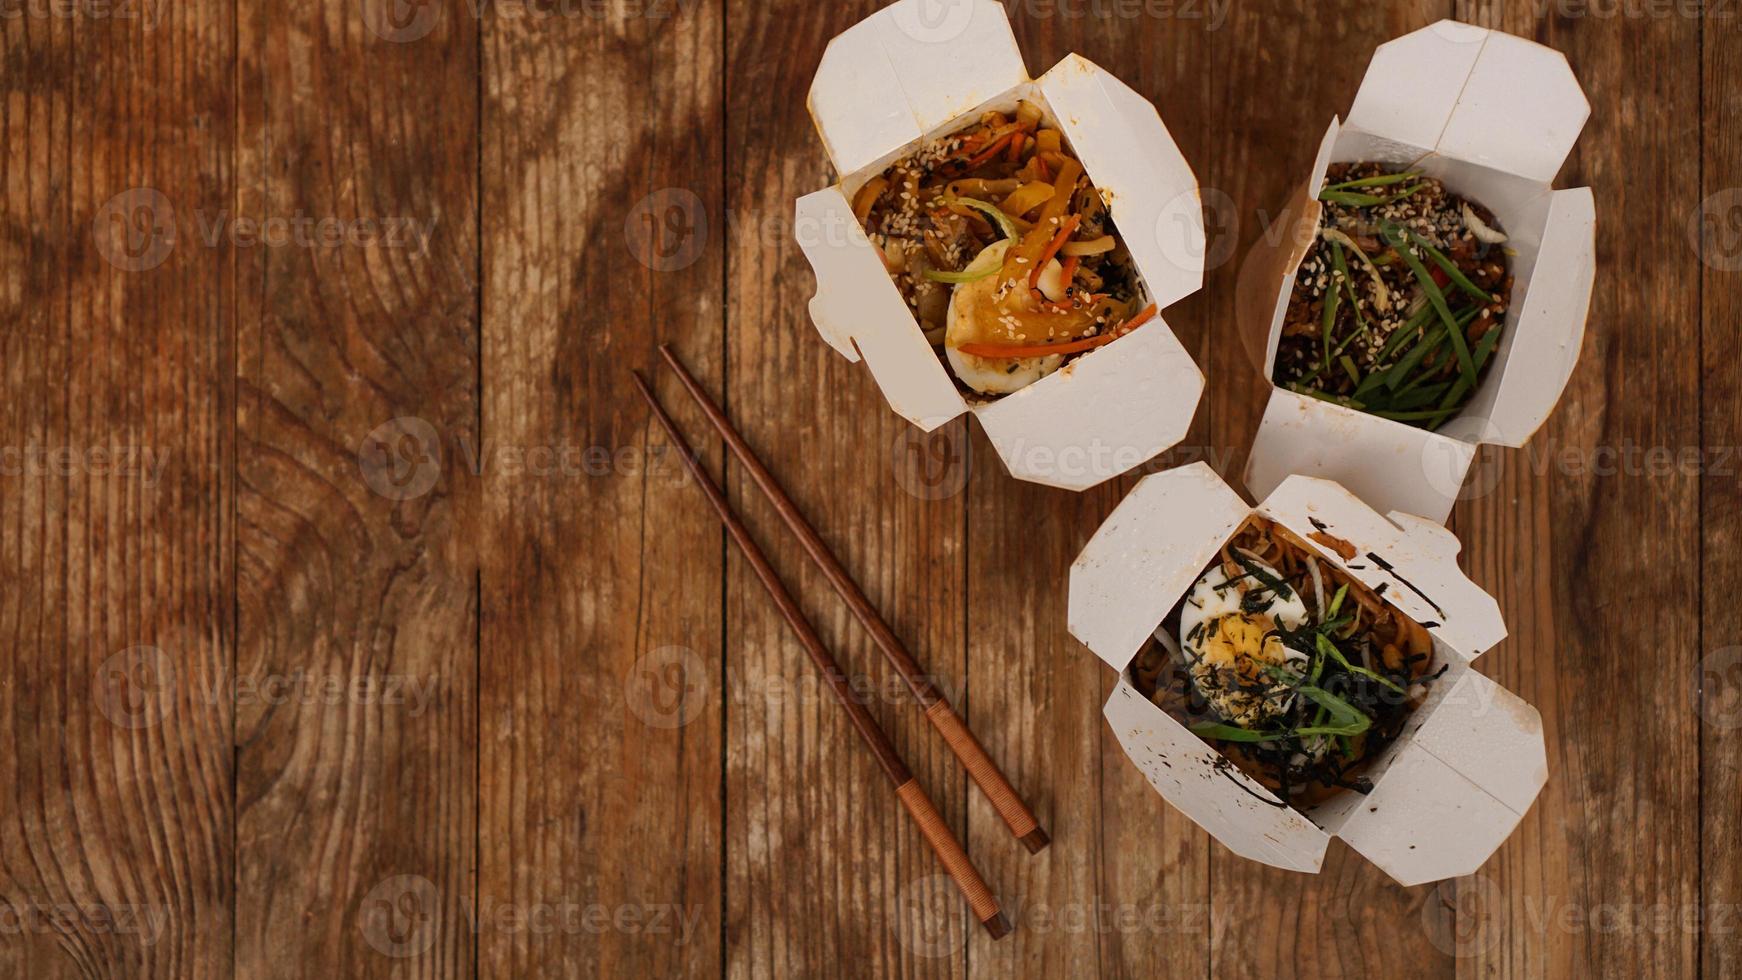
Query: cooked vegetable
[
  {"x": 1300, "y": 695},
  {"x": 1396, "y": 337},
  {"x": 1058, "y": 285}
]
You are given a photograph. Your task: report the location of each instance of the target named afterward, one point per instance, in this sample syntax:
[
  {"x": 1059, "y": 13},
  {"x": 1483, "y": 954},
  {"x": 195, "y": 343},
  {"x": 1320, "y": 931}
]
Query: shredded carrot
[
  {"x": 1070, "y": 271},
  {"x": 1052, "y": 247},
  {"x": 1015, "y": 154},
  {"x": 1143, "y": 316},
  {"x": 989, "y": 152},
  {"x": 1063, "y": 347}
]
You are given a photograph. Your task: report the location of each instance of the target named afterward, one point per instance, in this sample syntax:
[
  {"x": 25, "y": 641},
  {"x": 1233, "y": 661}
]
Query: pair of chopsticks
[{"x": 937, "y": 708}]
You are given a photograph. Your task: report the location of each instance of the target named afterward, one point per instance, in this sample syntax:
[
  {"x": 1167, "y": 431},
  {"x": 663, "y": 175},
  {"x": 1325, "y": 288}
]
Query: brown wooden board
[
  {"x": 602, "y": 653},
  {"x": 1718, "y": 696},
  {"x": 356, "y": 592},
  {"x": 116, "y": 535}
]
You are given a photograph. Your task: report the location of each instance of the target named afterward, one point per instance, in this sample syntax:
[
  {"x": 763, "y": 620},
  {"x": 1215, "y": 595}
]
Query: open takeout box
[
  {"x": 1465, "y": 767},
  {"x": 918, "y": 70},
  {"x": 1492, "y": 116}
]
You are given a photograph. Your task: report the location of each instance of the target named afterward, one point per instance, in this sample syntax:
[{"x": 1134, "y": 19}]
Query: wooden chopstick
[
  {"x": 907, "y": 789},
  {"x": 985, "y": 773}
]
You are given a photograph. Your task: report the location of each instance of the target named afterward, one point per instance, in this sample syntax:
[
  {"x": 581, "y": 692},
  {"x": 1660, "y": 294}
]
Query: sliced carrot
[
  {"x": 988, "y": 153},
  {"x": 1143, "y": 316},
  {"x": 1070, "y": 271},
  {"x": 1063, "y": 347},
  {"x": 1052, "y": 248}
]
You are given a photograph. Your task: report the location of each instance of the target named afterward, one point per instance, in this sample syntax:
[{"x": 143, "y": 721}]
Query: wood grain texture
[
  {"x": 603, "y": 673},
  {"x": 115, "y": 496},
  {"x": 1720, "y": 650},
  {"x": 356, "y": 587}
]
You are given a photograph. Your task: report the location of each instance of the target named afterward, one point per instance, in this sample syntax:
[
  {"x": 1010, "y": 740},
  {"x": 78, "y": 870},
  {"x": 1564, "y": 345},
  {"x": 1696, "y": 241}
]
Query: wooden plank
[
  {"x": 1562, "y": 545},
  {"x": 115, "y": 496},
  {"x": 602, "y": 685},
  {"x": 358, "y": 395},
  {"x": 824, "y": 869},
  {"x": 1720, "y": 650},
  {"x": 1272, "y": 923}
]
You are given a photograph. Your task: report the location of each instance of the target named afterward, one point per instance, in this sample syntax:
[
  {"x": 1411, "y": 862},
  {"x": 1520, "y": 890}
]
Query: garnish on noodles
[
  {"x": 1003, "y": 250},
  {"x": 1296, "y": 672},
  {"x": 1398, "y": 306}
]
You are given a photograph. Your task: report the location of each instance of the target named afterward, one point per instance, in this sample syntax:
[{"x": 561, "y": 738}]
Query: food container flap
[
  {"x": 859, "y": 311},
  {"x": 1474, "y": 94},
  {"x": 1247, "y": 818},
  {"x": 1147, "y": 554},
  {"x": 1142, "y": 175},
  {"x": 907, "y": 69},
  {"x": 1391, "y": 466},
  {"x": 1411, "y": 562},
  {"x": 1462, "y": 778},
  {"x": 1105, "y": 413},
  {"x": 1538, "y": 354}
]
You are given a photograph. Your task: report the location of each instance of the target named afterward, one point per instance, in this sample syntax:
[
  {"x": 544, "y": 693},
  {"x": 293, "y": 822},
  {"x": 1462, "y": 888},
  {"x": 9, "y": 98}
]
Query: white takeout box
[
  {"x": 1493, "y": 116},
  {"x": 918, "y": 70},
  {"x": 1463, "y": 770}
]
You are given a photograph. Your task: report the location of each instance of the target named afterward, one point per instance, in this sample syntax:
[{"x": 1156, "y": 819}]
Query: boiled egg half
[{"x": 1230, "y": 643}]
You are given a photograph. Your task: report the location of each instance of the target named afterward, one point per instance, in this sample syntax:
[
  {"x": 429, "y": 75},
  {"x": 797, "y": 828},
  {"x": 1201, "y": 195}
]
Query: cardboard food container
[
  {"x": 1468, "y": 761},
  {"x": 1493, "y": 117},
  {"x": 916, "y": 71}
]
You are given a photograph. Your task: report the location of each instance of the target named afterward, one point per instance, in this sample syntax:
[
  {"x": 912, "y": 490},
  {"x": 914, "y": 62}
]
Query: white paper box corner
[
  {"x": 1466, "y": 767},
  {"x": 1493, "y": 116},
  {"x": 917, "y": 70}
]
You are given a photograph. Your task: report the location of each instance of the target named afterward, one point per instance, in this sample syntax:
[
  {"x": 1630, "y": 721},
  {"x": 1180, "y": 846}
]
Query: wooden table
[{"x": 356, "y": 622}]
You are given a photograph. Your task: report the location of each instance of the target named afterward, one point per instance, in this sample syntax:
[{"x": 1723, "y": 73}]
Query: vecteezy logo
[
  {"x": 399, "y": 915},
  {"x": 667, "y": 688},
  {"x": 401, "y": 458},
  {"x": 1461, "y": 916},
  {"x": 135, "y": 230},
  {"x": 1718, "y": 689},
  {"x": 400, "y": 21},
  {"x": 1716, "y": 230},
  {"x": 931, "y": 465},
  {"x": 929, "y": 918},
  {"x": 668, "y": 229},
  {"x": 1456, "y": 466},
  {"x": 135, "y": 688},
  {"x": 1197, "y": 230},
  {"x": 933, "y": 21}
]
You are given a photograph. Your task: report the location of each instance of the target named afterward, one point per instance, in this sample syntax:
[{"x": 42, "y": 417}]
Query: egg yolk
[{"x": 1246, "y": 643}]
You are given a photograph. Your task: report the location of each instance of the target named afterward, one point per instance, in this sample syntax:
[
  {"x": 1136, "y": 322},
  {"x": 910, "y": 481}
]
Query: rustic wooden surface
[{"x": 400, "y": 646}]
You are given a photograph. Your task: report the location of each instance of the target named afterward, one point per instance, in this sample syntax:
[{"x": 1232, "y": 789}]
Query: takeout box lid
[
  {"x": 907, "y": 69},
  {"x": 912, "y": 71},
  {"x": 1159, "y": 539},
  {"x": 1472, "y": 106},
  {"x": 1474, "y": 94},
  {"x": 1461, "y": 774}
]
